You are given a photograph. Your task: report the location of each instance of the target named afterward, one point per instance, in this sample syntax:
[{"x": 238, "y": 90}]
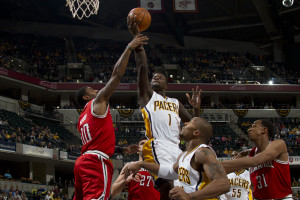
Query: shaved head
[{"x": 204, "y": 127}]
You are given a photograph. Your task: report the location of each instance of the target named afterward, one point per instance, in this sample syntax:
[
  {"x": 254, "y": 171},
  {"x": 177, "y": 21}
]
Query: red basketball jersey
[
  {"x": 97, "y": 132},
  {"x": 271, "y": 180},
  {"x": 143, "y": 190}
]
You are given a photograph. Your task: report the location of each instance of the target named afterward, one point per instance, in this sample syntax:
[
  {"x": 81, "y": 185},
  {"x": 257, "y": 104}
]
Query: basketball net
[{"x": 83, "y": 8}]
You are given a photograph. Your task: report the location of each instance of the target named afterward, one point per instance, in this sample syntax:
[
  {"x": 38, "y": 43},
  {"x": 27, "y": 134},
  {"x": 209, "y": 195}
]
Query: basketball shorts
[
  {"x": 161, "y": 152},
  {"x": 93, "y": 176}
]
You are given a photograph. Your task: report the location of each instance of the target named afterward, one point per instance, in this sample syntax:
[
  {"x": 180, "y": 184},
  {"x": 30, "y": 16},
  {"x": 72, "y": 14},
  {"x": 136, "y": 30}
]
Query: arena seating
[
  {"x": 45, "y": 54},
  {"x": 24, "y": 130}
]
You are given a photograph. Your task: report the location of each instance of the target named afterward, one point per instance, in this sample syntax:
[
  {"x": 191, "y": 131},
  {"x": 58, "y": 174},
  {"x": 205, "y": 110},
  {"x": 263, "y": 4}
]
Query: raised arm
[
  {"x": 273, "y": 151},
  {"x": 144, "y": 90},
  {"x": 101, "y": 101},
  {"x": 195, "y": 101},
  {"x": 120, "y": 182}
]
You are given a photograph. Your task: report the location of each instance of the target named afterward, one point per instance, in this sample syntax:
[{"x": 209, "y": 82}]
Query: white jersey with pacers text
[
  {"x": 239, "y": 186},
  {"x": 190, "y": 179},
  {"x": 161, "y": 116}
]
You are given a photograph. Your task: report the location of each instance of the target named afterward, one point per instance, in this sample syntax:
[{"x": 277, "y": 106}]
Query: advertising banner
[
  {"x": 185, "y": 6},
  {"x": 37, "y": 151}
]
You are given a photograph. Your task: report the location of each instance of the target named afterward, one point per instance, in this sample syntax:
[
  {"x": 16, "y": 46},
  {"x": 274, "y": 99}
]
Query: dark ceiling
[{"x": 260, "y": 21}]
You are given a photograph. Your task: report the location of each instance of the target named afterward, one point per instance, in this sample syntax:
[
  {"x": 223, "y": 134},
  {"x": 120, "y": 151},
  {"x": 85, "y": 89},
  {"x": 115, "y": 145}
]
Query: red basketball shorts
[{"x": 93, "y": 176}]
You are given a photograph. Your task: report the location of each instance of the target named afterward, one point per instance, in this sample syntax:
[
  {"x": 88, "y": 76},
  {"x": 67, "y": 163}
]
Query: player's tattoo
[
  {"x": 215, "y": 170},
  {"x": 205, "y": 151}
]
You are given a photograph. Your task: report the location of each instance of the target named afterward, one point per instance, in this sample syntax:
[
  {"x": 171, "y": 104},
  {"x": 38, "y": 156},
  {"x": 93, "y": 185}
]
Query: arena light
[
  {"x": 287, "y": 3},
  {"x": 270, "y": 82}
]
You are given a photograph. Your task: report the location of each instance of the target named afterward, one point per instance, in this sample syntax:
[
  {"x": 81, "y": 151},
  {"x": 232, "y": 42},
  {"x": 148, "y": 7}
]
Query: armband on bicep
[{"x": 167, "y": 172}]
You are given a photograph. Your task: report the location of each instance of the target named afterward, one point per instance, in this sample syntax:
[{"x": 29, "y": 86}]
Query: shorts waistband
[
  {"x": 288, "y": 197},
  {"x": 96, "y": 152}
]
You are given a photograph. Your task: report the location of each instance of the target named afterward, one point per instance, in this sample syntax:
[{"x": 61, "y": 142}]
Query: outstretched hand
[
  {"x": 195, "y": 101},
  {"x": 132, "y": 25},
  {"x": 131, "y": 149},
  {"x": 131, "y": 177},
  {"x": 137, "y": 41},
  {"x": 132, "y": 168}
]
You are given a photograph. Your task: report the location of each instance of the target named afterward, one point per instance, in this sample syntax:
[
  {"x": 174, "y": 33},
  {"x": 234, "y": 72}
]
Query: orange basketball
[{"x": 143, "y": 17}]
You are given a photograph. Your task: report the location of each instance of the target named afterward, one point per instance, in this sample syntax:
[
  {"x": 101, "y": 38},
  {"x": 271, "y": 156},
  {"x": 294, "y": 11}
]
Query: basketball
[{"x": 142, "y": 16}]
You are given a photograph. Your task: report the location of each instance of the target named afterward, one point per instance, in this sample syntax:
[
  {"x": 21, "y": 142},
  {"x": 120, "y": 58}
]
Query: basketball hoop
[{"x": 83, "y": 8}]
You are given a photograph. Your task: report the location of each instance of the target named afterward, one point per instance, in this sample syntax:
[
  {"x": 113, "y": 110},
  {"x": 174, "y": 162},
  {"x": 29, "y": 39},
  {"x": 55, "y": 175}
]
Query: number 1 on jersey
[{"x": 169, "y": 119}]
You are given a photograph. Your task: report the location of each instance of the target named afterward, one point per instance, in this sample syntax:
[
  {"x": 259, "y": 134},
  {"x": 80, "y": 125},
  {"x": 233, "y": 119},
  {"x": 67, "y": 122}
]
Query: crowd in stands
[
  {"x": 43, "y": 55},
  {"x": 34, "y": 131},
  {"x": 11, "y": 193},
  {"x": 288, "y": 76},
  {"x": 101, "y": 55},
  {"x": 39, "y": 136},
  {"x": 209, "y": 66},
  {"x": 11, "y": 188}
]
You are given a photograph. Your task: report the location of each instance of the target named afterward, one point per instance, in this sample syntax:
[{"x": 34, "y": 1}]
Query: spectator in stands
[
  {"x": 49, "y": 146},
  {"x": 23, "y": 196},
  {"x": 120, "y": 143},
  {"x": 59, "y": 183},
  {"x": 5, "y": 189},
  {"x": 13, "y": 137},
  {"x": 119, "y": 157},
  {"x": 294, "y": 182},
  {"x": 277, "y": 136},
  {"x": 48, "y": 196},
  {"x": 12, "y": 190},
  {"x": 7, "y": 175},
  {"x": 5, "y": 123},
  {"x": 17, "y": 191},
  {"x": 61, "y": 194},
  {"x": 220, "y": 154},
  {"x": 65, "y": 197},
  {"x": 55, "y": 192},
  {"x": 52, "y": 181},
  {"x": 226, "y": 152},
  {"x": 10, "y": 196},
  {"x": 56, "y": 137}
]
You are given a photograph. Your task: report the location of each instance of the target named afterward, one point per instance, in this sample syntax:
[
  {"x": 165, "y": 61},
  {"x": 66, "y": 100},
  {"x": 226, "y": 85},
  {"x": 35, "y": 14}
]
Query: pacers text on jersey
[
  {"x": 239, "y": 182},
  {"x": 163, "y": 105}
]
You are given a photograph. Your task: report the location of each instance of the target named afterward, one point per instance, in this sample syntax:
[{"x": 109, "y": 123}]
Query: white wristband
[{"x": 167, "y": 172}]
